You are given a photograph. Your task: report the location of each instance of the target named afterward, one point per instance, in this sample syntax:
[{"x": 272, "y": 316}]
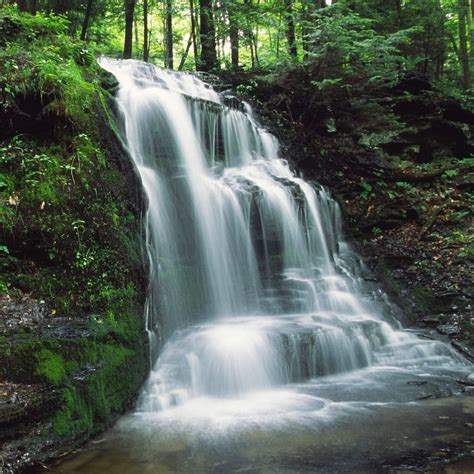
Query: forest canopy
[{"x": 364, "y": 40}]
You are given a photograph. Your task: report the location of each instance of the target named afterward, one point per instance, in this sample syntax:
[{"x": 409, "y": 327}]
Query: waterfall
[{"x": 253, "y": 288}]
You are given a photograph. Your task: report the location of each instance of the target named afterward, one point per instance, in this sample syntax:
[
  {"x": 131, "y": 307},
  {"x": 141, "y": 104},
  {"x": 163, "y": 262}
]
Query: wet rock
[
  {"x": 431, "y": 321},
  {"x": 449, "y": 329},
  {"x": 470, "y": 378},
  {"x": 464, "y": 348}
]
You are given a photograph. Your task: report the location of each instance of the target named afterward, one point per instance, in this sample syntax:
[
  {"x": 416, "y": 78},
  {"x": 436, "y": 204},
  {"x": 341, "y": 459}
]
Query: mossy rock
[{"x": 93, "y": 378}]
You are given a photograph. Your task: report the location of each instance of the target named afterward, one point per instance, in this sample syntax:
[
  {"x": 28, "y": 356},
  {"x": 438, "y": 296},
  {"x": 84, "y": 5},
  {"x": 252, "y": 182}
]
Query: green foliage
[
  {"x": 41, "y": 61},
  {"x": 375, "y": 41},
  {"x": 404, "y": 185},
  {"x": 460, "y": 215},
  {"x": 343, "y": 43},
  {"x": 326, "y": 84},
  {"x": 60, "y": 188},
  {"x": 367, "y": 191},
  {"x": 449, "y": 174},
  {"x": 468, "y": 162},
  {"x": 247, "y": 89}
]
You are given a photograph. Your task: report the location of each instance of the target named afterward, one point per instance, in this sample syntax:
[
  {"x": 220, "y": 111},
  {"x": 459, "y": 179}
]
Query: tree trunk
[
  {"x": 255, "y": 39},
  {"x": 87, "y": 17},
  {"x": 128, "y": 43},
  {"x": 470, "y": 18},
  {"x": 135, "y": 30},
  {"x": 28, "y": 6},
  {"x": 207, "y": 33},
  {"x": 290, "y": 29},
  {"x": 185, "y": 54},
  {"x": 234, "y": 39},
  {"x": 463, "y": 6},
  {"x": 169, "y": 34},
  {"x": 278, "y": 36},
  {"x": 193, "y": 33},
  {"x": 146, "y": 48},
  {"x": 440, "y": 52},
  {"x": 248, "y": 30}
]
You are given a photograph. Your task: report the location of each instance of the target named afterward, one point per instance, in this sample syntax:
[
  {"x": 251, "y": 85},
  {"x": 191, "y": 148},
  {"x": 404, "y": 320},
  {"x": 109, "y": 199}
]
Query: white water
[{"x": 261, "y": 306}]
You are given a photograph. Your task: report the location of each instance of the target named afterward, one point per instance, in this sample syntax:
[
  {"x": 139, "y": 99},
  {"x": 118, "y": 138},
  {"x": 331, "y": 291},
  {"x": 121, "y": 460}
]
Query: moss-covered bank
[{"x": 72, "y": 342}]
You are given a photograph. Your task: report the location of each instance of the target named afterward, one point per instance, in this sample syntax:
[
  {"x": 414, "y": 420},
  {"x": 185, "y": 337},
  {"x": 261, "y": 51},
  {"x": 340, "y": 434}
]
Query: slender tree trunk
[
  {"x": 306, "y": 17},
  {"x": 463, "y": 6},
  {"x": 193, "y": 33},
  {"x": 248, "y": 31},
  {"x": 255, "y": 40},
  {"x": 290, "y": 29},
  {"x": 219, "y": 22},
  {"x": 470, "y": 18},
  {"x": 207, "y": 32},
  {"x": 440, "y": 53},
  {"x": 169, "y": 34},
  {"x": 278, "y": 36},
  {"x": 87, "y": 17},
  {"x": 135, "y": 30},
  {"x": 234, "y": 39},
  {"x": 146, "y": 48},
  {"x": 128, "y": 43},
  {"x": 28, "y": 6},
  {"x": 186, "y": 52}
]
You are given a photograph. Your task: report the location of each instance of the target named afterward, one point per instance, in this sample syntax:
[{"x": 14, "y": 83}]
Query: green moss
[
  {"x": 97, "y": 376},
  {"x": 107, "y": 389},
  {"x": 50, "y": 366},
  {"x": 61, "y": 423}
]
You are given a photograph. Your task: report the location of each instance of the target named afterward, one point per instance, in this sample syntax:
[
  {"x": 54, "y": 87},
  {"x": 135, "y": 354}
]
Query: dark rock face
[
  {"x": 24, "y": 404},
  {"x": 398, "y": 161}
]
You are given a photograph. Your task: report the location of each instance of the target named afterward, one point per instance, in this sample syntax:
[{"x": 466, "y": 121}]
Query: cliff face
[
  {"x": 72, "y": 339},
  {"x": 400, "y": 161}
]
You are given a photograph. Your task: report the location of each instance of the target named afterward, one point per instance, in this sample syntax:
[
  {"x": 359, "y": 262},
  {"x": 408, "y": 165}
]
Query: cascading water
[{"x": 261, "y": 305}]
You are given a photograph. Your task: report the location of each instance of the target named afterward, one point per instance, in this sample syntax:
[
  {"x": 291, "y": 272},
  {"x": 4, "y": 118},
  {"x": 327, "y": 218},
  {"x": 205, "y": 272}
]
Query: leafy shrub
[{"x": 40, "y": 58}]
